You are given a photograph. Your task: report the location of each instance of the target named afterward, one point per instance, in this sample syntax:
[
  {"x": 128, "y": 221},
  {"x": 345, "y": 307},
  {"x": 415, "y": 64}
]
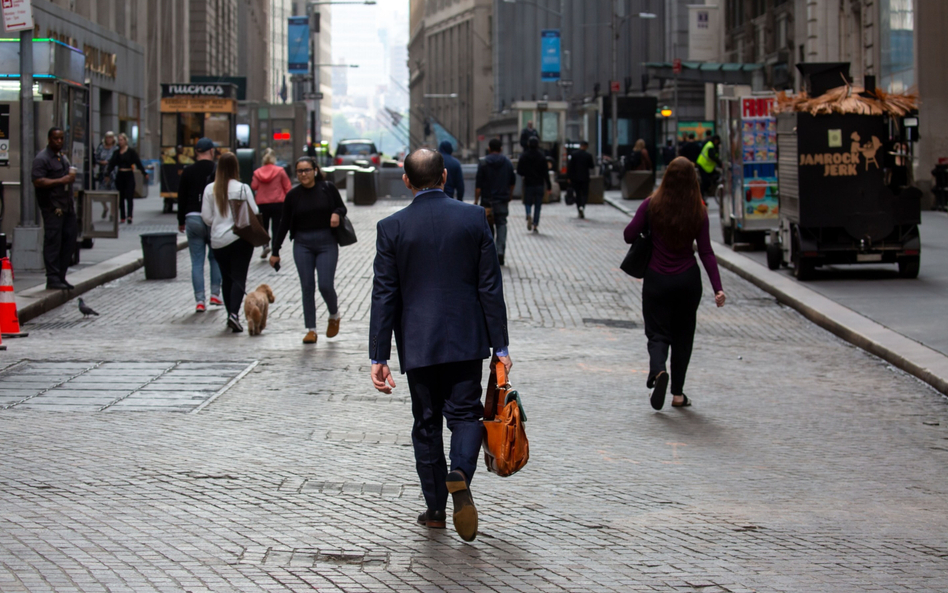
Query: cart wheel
[
  {"x": 728, "y": 232},
  {"x": 774, "y": 256},
  {"x": 908, "y": 267},
  {"x": 803, "y": 268}
]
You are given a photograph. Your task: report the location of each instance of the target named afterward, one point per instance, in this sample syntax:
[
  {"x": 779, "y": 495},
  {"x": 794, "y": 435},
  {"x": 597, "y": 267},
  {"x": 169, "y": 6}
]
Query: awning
[{"x": 715, "y": 72}]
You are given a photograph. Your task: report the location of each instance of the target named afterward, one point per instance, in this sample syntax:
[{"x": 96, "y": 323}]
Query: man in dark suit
[
  {"x": 577, "y": 171},
  {"x": 438, "y": 288}
]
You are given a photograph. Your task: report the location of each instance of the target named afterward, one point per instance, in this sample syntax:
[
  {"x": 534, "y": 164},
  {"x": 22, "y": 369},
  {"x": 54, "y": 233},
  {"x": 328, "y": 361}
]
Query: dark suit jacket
[
  {"x": 579, "y": 165},
  {"x": 437, "y": 286}
]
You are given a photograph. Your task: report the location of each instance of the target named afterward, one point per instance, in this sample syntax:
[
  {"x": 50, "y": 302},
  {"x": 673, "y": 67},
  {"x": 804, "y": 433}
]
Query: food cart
[
  {"x": 839, "y": 159},
  {"x": 748, "y": 194},
  {"x": 190, "y": 112}
]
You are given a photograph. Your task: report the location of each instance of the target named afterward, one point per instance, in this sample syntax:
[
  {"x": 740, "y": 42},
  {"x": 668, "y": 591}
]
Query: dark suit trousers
[
  {"x": 581, "y": 189},
  {"x": 452, "y": 390},
  {"x": 59, "y": 241}
]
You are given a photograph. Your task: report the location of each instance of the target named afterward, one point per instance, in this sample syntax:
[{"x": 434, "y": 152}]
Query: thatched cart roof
[{"x": 848, "y": 100}]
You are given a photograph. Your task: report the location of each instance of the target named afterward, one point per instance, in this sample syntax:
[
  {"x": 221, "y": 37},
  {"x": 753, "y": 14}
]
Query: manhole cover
[{"x": 130, "y": 386}]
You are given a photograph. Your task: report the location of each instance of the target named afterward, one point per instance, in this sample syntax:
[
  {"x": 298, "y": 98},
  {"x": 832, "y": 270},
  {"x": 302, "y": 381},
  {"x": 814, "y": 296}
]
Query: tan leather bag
[{"x": 506, "y": 448}]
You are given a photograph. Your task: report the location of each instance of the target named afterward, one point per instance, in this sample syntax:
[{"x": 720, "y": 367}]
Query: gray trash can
[{"x": 160, "y": 251}]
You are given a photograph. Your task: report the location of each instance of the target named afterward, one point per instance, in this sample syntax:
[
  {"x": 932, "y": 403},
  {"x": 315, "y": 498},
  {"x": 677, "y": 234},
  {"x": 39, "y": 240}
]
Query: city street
[{"x": 150, "y": 449}]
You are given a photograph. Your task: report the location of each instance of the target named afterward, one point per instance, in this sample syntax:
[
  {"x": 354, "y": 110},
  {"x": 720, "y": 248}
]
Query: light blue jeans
[{"x": 199, "y": 244}]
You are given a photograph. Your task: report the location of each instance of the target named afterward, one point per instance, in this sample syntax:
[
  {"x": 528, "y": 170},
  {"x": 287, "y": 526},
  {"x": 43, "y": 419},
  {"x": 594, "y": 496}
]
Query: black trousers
[
  {"x": 270, "y": 215},
  {"x": 234, "y": 261},
  {"x": 670, "y": 307},
  {"x": 59, "y": 241},
  {"x": 451, "y": 390},
  {"x": 125, "y": 184},
  {"x": 581, "y": 189}
]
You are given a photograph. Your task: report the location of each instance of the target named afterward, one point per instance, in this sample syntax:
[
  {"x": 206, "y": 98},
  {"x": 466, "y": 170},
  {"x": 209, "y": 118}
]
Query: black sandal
[
  {"x": 684, "y": 404},
  {"x": 657, "y": 398}
]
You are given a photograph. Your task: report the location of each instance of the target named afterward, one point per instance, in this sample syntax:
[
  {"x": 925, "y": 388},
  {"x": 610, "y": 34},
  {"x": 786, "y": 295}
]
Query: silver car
[{"x": 358, "y": 152}]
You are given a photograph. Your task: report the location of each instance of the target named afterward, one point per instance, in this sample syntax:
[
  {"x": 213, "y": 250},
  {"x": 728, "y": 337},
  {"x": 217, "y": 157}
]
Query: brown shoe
[
  {"x": 310, "y": 338},
  {"x": 333, "y": 328},
  {"x": 465, "y": 515}
]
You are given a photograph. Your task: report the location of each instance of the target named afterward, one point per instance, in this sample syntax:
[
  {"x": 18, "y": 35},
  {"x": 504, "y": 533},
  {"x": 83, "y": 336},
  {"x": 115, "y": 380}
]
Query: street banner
[
  {"x": 550, "y": 55},
  {"x": 297, "y": 34},
  {"x": 17, "y": 15}
]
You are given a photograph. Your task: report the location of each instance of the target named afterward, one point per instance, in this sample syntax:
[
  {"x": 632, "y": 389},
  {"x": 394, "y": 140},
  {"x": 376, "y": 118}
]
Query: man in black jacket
[
  {"x": 527, "y": 133},
  {"x": 577, "y": 170},
  {"x": 532, "y": 167},
  {"x": 194, "y": 179},
  {"x": 439, "y": 290},
  {"x": 53, "y": 177},
  {"x": 495, "y": 184}
]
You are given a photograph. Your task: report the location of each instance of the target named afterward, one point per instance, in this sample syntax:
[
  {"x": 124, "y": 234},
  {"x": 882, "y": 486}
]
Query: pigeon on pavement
[{"x": 85, "y": 309}]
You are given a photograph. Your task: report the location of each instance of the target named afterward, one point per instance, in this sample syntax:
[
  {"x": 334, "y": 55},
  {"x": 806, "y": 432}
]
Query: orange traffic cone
[{"x": 9, "y": 321}]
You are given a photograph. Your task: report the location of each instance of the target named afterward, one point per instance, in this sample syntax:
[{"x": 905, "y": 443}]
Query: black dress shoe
[
  {"x": 465, "y": 515},
  {"x": 432, "y": 519},
  {"x": 68, "y": 285},
  {"x": 57, "y": 285}
]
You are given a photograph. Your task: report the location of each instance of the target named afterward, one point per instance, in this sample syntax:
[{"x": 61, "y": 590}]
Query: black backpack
[{"x": 635, "y": 159}]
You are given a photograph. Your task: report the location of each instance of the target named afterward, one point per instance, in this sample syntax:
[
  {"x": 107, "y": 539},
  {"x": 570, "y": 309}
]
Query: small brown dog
[{"x": 256, "y": 306}]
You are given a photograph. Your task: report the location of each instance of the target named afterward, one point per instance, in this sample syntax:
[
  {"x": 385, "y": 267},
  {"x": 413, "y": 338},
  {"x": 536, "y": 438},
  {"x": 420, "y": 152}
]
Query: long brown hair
[
  {"x": 676, "y": 210},
  {"x": 227, "y": 168}
]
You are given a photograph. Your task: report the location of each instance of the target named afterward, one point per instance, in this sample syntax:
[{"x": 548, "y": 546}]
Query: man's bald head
[{"x": 424, "y": 168}]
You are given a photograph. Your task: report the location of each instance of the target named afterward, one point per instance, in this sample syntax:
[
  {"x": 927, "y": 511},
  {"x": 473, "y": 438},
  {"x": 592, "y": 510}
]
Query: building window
[{"x": 897, "y": 41}]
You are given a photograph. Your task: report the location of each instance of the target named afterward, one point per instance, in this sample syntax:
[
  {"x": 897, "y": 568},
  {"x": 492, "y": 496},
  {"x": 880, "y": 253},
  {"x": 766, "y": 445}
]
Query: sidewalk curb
[
  {"x": 33, "y": 302},
  {"x": 904, "y": 353}
]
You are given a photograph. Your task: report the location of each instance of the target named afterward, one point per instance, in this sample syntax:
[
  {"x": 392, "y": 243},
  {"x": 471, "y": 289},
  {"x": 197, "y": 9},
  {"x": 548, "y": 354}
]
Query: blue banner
[
  {"x": 550, "y": 55},
  {"x": 297, "y": 34}
]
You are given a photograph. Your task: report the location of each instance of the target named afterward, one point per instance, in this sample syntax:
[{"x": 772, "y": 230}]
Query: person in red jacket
[{"x": 270, "y": 184}]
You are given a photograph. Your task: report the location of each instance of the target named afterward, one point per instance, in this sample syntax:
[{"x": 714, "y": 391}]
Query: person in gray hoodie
[
  {"x": 454, "y": 186},
  {"x": 495, "y": 184}
]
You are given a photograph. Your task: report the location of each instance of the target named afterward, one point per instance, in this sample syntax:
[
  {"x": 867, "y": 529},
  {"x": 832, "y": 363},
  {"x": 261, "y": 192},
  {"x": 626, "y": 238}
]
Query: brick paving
[{"x": 804, "y": 465}]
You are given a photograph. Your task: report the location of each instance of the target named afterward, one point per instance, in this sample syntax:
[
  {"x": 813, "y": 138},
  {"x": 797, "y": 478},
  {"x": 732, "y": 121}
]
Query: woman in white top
[{"x": 233, "y": 254}]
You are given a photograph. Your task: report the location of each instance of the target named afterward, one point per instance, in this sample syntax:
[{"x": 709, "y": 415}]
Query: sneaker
[
  {"x": 265, "y": 252},
  {"x": 529, "y": 223},
  {"x": 234, "y": 323},
  {"x": 122, "y": 221},
  {"x": 129, "y": 220},
  {"x": 536, "y": 229},
  {"x": 216, "y": 301},
  {"x": 310, "y": 337},
  {"x": 582, "y": 214},
  {"x": 199, "y": 308}
]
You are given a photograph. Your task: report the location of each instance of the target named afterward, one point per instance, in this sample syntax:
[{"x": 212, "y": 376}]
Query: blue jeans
[
  {"x": 533, "y": 196},
  {"x": 199, "y": 243},
  {"x": 316, "y": 253}
]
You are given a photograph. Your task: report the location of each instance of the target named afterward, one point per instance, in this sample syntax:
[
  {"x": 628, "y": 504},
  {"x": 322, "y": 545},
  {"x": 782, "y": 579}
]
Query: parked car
[{"x": 357, "y": 152}]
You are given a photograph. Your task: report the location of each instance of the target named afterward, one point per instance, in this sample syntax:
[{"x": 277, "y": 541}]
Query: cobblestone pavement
[{"x": 804, "y": 465}]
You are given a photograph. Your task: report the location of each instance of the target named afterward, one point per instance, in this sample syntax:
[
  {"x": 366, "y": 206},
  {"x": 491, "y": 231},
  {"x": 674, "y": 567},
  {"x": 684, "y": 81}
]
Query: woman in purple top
[{"x": 671, "y": 290}]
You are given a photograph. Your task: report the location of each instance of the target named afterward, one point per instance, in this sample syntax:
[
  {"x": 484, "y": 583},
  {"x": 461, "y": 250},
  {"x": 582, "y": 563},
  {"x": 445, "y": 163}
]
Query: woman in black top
[
  {"x": 310, "y": 211},
  {"x": 125, "y": 159}
]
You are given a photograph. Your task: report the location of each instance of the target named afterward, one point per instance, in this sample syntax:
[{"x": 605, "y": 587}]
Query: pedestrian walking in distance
[
  {"x": 454, "y": 187},
  {"x": 438, "y": 288},
  {"x": 527, "y": 133},
  {"x": 103, "y": 153},
  {"x": 194, "y": 179},
  {"x": 125, "y": 159},
  {"x": 310, "y": 211},
  {"x": 536, "y": 182},
  {"x": 495, "y": 185},
  {"x": 639, "y": 159},
  {"x": 53, "y": 177},
  {"x": 577, "y": 171},
  {"x": 270, "y": 183},
  {"x": 233, "y": 254},
  {"x": 671, "y": 289}
]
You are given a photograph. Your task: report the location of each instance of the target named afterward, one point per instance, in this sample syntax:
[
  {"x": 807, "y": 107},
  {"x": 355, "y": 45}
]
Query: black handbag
[
  {"x": 640, "y": 253},
  {"x": 345, "y": 234},
  {"x": 570, "y": 196}
]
